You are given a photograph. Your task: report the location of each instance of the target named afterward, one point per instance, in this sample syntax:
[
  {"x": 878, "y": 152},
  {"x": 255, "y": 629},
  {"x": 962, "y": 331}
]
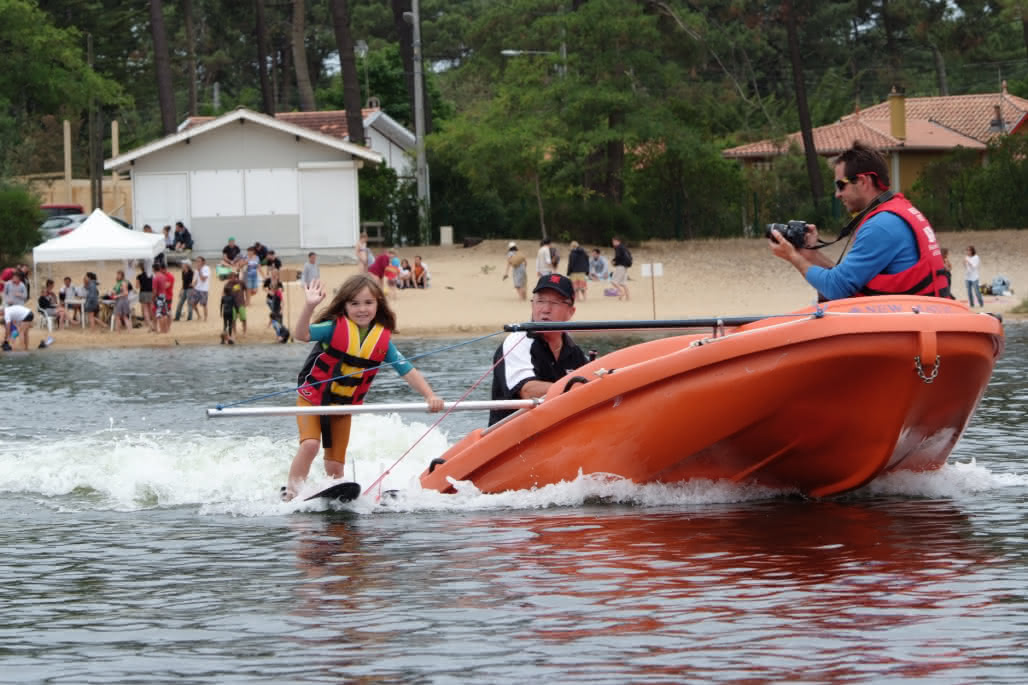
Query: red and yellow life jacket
[
  {"x": 351, "y": 364},
  {"x": 928, "y": 275}
]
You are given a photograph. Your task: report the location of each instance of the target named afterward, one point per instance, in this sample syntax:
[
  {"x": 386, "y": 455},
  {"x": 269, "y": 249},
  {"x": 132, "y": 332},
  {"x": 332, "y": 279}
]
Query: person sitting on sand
[
  {"x": 405, "y": 279},
  {"x": 230, "y": 256},
  {"x": 526, "y": 367},
  {"x": 599, "y": 267},
  {"x": 420, "y": 273}
]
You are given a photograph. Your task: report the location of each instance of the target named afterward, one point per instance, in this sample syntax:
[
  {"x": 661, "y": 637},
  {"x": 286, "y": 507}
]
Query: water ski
[{"x": 340, "y": 492}]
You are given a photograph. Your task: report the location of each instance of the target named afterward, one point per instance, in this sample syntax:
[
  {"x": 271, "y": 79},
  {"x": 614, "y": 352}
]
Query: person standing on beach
[
  {"x": 202, "y": 289},
  {"x": 377, "y": 268},
  {"x": 144, "y": 286},
  {"x": 91, "y": 298},
  {"x": 972, "y": 263},
  {"x": 543, "y": 259},
  {"x": 163, "y": 298},
  {"x": 361, "y": 250},
  {"x": 15, "y": 291},
  {"x": 527, "y": 364},
  {"x": 894, "y": 248},
  {"x": 253, "y": 273},
  {"x": 622, "y": 261},
  {"x": 352, "y": 336},
  {"x": 186, "y": 291},
  {"x": 311, "y": 272},
  {"x": 578, "y": 269},
  {"x": 517, "y": 266}
]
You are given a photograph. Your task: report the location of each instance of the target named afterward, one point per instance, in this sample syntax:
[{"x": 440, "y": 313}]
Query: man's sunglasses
[{"x": 841, "y": 183}]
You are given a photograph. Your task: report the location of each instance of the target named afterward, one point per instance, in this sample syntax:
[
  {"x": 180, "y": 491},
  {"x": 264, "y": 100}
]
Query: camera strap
[{"x": 854, "y": 222}]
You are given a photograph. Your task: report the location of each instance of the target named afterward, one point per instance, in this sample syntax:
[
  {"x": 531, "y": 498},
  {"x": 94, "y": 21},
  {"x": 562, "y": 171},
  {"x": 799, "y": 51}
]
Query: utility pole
[
  {"x": 95, "y": 125},
  {"x": 421, "y": 171}
]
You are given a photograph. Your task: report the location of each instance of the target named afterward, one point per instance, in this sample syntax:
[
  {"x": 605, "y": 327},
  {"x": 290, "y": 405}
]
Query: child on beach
[
  {"x": 274, "y": 300},
  {"x": 353, "y": 335},
  {"x": 228, "y": 318}
]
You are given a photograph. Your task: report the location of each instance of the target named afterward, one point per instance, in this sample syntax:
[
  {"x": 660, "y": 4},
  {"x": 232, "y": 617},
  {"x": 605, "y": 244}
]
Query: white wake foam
[{"x": 237, "y": 475}]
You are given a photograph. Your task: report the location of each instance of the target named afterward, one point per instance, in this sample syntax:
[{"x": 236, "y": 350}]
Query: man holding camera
[{"x": 894, "y": 248}]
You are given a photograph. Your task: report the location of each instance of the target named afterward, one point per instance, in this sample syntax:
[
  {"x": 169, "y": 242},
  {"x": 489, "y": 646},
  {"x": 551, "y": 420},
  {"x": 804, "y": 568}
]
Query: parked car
[
  {"x": 57, "y": 209},
  {"x": 56, "y": 226}
]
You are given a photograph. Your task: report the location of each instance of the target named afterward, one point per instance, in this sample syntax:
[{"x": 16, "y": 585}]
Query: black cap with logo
[{"x": 556, "y": 282}]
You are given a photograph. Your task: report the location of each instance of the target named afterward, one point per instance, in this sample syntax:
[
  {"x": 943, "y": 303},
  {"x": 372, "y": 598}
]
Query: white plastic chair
[{"x": 46, "y": 320}]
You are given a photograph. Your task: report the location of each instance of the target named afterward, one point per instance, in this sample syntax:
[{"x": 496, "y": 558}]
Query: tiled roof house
[{"x": 910, "y": 131}]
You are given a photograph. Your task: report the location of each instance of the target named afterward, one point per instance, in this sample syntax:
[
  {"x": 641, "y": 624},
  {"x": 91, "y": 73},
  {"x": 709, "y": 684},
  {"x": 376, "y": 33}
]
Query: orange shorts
[{"x": 339, "y": 426}]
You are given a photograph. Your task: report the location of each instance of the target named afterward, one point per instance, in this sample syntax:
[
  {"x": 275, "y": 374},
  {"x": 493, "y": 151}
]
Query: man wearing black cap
[{"x": 527, "y": 368}]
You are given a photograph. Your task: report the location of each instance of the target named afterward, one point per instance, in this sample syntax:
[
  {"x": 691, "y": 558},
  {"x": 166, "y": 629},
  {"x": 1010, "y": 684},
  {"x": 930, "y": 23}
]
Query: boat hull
[{"x": 815, "y": 404}]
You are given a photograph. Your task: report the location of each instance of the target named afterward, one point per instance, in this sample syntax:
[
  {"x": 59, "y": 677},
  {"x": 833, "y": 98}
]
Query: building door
[
  {"x": 160, "y": 200},
  {"x": 328, "y": 205}
]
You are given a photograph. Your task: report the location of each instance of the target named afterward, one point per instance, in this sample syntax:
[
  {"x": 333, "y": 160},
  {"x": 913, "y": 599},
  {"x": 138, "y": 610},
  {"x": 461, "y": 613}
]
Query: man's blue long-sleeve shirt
[{"x": 884, "y": 244}]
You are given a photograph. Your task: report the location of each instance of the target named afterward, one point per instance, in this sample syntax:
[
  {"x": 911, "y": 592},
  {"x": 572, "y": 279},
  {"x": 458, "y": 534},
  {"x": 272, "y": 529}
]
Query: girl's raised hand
[{"x": 314, "y": 293}]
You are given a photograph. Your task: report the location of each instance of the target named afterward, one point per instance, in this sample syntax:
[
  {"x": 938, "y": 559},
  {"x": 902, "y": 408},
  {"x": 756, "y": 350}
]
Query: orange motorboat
[{"x": 820, "y": 402}]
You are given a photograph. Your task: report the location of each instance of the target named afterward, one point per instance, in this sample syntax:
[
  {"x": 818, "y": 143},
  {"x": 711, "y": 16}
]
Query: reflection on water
[
  {"x": 836, "y": 591},
  {"x": 145, "y": 544}
]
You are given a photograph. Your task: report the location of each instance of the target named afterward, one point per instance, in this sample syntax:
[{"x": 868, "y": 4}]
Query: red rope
[{"x": 378, "y": 481}]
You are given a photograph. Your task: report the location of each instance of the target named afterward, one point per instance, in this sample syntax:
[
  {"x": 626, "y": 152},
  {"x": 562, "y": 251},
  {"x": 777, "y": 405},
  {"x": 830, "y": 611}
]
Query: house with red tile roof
[{"x": 911, "y": 132}]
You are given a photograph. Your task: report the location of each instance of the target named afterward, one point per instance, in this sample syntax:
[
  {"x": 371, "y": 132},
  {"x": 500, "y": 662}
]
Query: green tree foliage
[
  {"x": 610, "y": 115},
  {"x": 20, "y": 218},
  {"x": 44, "y": 73},
  {"x": 958, "y": 192}
]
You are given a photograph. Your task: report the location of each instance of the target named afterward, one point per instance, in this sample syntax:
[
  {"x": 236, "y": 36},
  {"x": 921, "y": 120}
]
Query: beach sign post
[{"x": 652, "y": 271}]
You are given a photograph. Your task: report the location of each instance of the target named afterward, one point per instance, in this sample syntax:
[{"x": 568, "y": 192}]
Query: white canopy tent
[{"x": 99, "y": 238}]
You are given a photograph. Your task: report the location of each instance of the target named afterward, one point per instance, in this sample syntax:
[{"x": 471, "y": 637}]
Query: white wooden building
[{"x": 252, "y": 177}]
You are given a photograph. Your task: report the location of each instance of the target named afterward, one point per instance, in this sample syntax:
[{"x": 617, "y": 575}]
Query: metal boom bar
[
  {"x": 336, "y": 409},
  {"x": 551, "y": 326}
]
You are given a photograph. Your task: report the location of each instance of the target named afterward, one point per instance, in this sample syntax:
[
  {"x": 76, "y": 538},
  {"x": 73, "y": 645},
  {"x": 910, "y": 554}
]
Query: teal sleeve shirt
[{"x": 322, "y": 333}]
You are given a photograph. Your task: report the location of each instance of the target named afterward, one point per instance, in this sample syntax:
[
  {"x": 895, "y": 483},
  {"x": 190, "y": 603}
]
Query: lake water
[{"x": 142, "y": 542}]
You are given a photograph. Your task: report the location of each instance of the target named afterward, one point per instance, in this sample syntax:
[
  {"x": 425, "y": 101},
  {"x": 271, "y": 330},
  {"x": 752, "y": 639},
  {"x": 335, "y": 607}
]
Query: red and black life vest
[
  {"x": 350, "y": 363},
  {"x": 928, "y": 275}
]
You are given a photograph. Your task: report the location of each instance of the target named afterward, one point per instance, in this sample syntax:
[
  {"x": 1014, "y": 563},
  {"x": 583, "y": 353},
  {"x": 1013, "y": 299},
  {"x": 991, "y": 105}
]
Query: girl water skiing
[{"x": 353, "y": 335}]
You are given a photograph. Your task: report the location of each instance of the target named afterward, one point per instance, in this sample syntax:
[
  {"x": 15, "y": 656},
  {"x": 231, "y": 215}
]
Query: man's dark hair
[{"x": 861, "y": 159}]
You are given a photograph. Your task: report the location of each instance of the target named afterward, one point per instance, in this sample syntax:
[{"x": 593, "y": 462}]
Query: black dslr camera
[{"x": 795, "y": 232}]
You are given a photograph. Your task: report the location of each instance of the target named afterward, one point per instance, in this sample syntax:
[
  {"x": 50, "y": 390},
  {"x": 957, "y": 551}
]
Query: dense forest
[{"x": 576, "y": 118}]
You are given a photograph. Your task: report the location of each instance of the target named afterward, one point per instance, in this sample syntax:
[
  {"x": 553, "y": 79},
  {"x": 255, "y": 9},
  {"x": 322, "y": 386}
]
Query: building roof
[
  {"x": 971, "y": 115},
  {"x": 242, "y": 114},
  {"x": 932, "y": 123},
  {"x": 330, "y": 122},
  {"x": 333, "y": 123}
]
